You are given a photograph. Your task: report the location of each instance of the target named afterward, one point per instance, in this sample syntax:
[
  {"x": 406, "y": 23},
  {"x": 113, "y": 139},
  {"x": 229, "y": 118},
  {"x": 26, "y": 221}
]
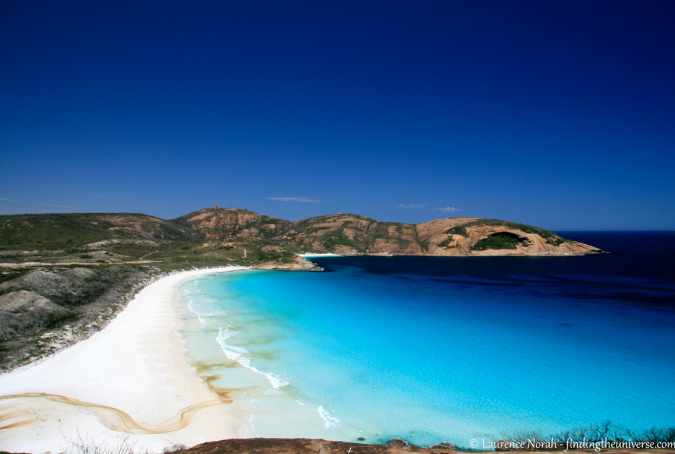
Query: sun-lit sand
[{"x": 130, "y": 381}]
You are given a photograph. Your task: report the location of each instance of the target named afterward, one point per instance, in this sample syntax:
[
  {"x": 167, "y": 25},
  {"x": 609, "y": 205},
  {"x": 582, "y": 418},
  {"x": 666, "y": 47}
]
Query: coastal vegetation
[
  {"x": 501, "y": 240},
  {"x": 550, "y": 237},
  {"x": 601, "y": 436},
  {"x": 62, "y": 276},
  {"x": 215, "y": 236}
]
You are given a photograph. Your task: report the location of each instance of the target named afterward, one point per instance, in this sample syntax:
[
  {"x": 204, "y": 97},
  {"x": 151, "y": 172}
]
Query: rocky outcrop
[
  {"x": 25, "y": 312},
  {"x": 230, "y": 223},
  {"x": 350, "y": 234},
  {"x": 42, "y": 312},
  {"x": 481, "y": 237},
  {"x": 71, "y": 287},
  {"x": 305, "y": 446},
  {"x": 298, "y": 264}
]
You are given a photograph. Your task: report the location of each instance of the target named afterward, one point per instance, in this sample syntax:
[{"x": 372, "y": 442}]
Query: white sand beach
[{"x": 129, "y": 381}]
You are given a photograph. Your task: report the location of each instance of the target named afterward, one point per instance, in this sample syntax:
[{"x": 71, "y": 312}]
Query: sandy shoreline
[{"x": 131, "y": 380}]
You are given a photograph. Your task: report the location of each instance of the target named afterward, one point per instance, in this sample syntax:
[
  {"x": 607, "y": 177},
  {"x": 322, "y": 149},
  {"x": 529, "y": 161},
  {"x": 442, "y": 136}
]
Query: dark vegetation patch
[
  {"x": 459, "y": 230},
  {"x": 550, "y": 237},
  {"x": 501, "y": 240},
  {"x": 593, "y": 436},
  {"x": 275, "y": 256},
  {"x": 424, "y": 246},
  {"x": 338, "y": 240},
  {"x": 63, "y": 231},
  {"x": 10, "y": 274}
]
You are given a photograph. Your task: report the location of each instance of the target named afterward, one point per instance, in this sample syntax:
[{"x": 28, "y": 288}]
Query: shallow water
[{"x": 432, "y": 349}]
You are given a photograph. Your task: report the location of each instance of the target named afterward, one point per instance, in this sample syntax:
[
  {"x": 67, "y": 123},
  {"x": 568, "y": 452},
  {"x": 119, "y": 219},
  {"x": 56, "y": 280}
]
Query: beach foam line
[
  {"x": 331, "y": 421},
  {"x": 132, "y": 378},
  {"x": 242, "y": 356}
]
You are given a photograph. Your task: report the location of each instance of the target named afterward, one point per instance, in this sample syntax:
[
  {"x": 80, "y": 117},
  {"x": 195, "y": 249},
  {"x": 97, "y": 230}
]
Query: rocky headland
[{"x": 214, "y": 236}]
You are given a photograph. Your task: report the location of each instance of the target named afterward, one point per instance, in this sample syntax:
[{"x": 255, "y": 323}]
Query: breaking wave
[
  {"x": 243, "y": 357},
  {"x": 331, "y": 421}
]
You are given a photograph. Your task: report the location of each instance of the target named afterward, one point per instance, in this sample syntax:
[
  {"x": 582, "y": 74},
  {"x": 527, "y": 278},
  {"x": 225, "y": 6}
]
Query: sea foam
[
  {"x": 243, "y": 357},
  {"x": 331, "y": 421}
]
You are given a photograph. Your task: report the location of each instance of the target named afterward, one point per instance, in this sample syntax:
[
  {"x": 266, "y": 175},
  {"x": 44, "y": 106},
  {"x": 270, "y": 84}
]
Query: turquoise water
[{"x": 434, "y": 350}]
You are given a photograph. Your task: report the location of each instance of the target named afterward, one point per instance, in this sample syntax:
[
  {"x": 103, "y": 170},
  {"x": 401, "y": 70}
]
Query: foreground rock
[
  {"x": 310, "y": 446},
  {"x": 301, "y": 446}
]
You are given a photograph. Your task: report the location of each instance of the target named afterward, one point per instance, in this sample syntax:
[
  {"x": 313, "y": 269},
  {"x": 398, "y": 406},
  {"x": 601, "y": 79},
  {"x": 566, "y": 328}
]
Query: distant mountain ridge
[{"x": 344, "y": 234}]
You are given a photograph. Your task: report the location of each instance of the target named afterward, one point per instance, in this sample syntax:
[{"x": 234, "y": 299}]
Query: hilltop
[{"x": 222, "y": 235}]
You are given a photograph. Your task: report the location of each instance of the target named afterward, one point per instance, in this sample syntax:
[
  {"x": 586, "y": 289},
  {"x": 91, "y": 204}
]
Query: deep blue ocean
[{"x": 434, "y": 349}]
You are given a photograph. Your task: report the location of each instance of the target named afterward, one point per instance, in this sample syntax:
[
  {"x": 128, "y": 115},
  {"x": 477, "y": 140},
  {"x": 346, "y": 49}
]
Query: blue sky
[{"x": 557, "y": 114}]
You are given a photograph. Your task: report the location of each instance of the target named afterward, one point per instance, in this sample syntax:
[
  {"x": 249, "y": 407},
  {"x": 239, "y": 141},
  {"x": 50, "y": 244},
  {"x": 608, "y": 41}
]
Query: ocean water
[{"x": 434, "y": 349}]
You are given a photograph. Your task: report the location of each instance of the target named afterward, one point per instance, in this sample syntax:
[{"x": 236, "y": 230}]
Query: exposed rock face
[
  {"x": 433, "y": 232},
  {"x": 349, "y": 234},
  {"x": 463, "y": 236},
  {"x": 229, "y": 223}
]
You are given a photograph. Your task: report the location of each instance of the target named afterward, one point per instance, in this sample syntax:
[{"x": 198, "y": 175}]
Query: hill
[{"x": 214, "y": 236}]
